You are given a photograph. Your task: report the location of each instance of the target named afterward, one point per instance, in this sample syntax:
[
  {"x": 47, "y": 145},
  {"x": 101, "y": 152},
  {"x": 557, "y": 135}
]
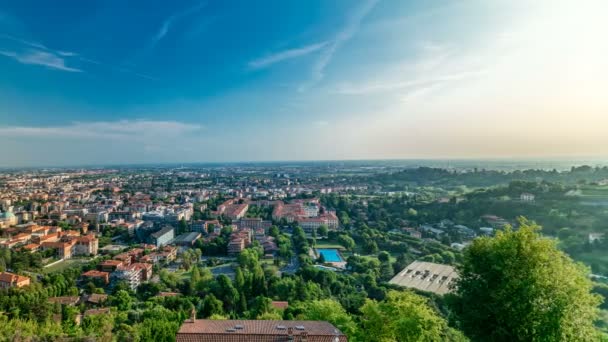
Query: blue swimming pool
[{"x": 330, "y": 254}]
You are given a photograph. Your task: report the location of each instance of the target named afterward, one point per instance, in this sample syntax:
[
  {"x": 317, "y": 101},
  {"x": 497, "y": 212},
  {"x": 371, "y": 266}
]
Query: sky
[{"x": 114, "y": 81}]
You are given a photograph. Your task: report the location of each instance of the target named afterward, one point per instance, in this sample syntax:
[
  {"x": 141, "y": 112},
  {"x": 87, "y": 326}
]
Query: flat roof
[
  {"x": 426, "y": 276},
  {"x": 187, "y": 237}
]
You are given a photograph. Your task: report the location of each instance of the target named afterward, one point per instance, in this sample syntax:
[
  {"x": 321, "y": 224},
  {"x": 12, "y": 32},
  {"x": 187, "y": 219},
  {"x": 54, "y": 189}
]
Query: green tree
[
  {"x": 346, "y": 241},
  {"x": 122, "y": 300},
  {"x": 384, "y": 256},
  {"x": 403, "y": 316},
  {"x": 517, "y": 286},
  {"x": 323, "y": 230},
  {"x": 331, "y": 311},
  {"x": 211, "y": 306}
]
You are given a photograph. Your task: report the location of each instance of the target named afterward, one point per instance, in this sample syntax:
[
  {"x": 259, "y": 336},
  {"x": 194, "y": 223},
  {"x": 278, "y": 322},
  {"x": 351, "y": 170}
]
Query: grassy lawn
[
  {"x": 329, "y": 244},
  {"x": 64, "y": 265}
]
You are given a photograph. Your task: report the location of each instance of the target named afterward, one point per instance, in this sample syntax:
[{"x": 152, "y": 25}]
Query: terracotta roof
[
  {"x": 96, "y": 312},
  {"x": 257, "y": 330},
  {"x": 73, "y": 300},
  {"x": 279, "y": 305},
  {"x": 11, "y": 278},
  {"x": 97, "y": 298}
]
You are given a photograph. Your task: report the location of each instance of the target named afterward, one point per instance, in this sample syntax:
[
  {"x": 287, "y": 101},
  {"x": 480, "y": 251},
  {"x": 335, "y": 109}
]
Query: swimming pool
[{"x": 330, "y": 254}]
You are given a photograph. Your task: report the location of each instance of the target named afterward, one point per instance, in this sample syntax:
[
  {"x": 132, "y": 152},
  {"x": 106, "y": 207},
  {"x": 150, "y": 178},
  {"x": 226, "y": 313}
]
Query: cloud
[
  {"x": 24, "y": 42},
  {"x": 39, "y": 54},
  {"x": 284, "y": 55},
  {"x": 321, "y": 123},
  {"x": 417, "y": 81},
  {"x": 38, "y": 57},
  {"x": 167, "y": 23},
  {"x": 136, "y": 130},
  {"x": 344, "y": 35}
]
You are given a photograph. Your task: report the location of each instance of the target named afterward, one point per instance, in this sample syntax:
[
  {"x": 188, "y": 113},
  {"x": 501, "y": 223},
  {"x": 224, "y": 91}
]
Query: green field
[
  {"x": 329, "y": 244},
  {"x": 64, "y": 265}
]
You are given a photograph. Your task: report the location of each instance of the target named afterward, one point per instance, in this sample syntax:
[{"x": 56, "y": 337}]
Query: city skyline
[{"x": 105, "y": 83}]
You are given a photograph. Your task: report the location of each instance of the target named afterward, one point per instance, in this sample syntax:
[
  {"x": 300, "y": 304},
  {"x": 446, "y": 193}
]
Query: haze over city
[{"x": 93, "y": 82}]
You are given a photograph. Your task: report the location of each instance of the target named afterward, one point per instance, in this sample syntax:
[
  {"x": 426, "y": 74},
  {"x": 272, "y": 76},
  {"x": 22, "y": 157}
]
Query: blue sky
[{"x": 94, "y": 82}]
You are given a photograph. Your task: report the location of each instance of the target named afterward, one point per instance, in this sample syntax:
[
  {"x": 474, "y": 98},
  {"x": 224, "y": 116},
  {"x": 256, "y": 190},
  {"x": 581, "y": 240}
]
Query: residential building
[
  {"x": 527, "y": 197},
  {"x": 132, "y": 275},
  {"x": 8, "y": 280},
  {"x": 97, "y": 277},
  {"x": 86, "y": 245},
  {"x": 163, "y": 236},
  {"x": 253, "y": 223},
  {"x": 203, "y": 330}
]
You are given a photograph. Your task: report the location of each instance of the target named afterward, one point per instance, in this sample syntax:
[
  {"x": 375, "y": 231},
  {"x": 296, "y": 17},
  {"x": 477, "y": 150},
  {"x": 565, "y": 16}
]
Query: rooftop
[
  {"x": 426, "y": 276},
  {"x": 257, "y": 330}
]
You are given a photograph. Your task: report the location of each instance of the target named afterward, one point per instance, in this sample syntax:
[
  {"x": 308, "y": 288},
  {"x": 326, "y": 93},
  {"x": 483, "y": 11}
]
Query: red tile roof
[{"x": 257, "y": 331}]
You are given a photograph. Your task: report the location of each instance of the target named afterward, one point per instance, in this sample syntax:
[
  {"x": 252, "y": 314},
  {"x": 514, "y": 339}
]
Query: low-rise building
[
  {"x": 426, "y": 276},
  {"x": 8, "y": 280},
  {"x": 162, "y": 237},
  {"x": 203, "y": 330}
]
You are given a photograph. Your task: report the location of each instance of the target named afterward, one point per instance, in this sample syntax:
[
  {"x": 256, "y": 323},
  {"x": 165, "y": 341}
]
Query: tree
[
  {"x": 403, "y": 316},
  {"x": 331, "y": 311},
  {"x": 182, "y": 226},
  {"x": 122, "y": 300},
  {"x": 211, "y": 306},
  {"x": 346, "y": 241},
  {"x": 323, "y": 230},
  {"x": 517, "y": 286},
  {"x": 384, "y": 256}
]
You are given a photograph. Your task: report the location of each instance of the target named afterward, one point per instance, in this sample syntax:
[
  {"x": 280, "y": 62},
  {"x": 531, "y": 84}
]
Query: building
[
  {"x": 253, "y": 223},
  {"x": 187, "y": 239},
  {"x": 110, "y": 265},
  {"x": 8, "y": 219},
  {"x": 86, "y": 245},
  {"x": 163, "y": 236},
  {"x": 596, "y": 237},
  {"x": 235, "y": 211},
  {"x": 426, "y": 276},
  {"x": 527, "y": 197},
  {"x": 64, "y": 250},
  {"x": 8, "y": 280},
  {"x": 145, "y": 268},
  {"x": 132, "y": 275},
  {"x": 239, "y": 240},
  {"x": 203, "y": 330},
  {"x": 97, "y": 277},
  {"x": 310, "y": 224}
]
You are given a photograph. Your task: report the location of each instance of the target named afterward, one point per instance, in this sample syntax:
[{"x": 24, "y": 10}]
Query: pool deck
[{"x": 338, "y": 264}]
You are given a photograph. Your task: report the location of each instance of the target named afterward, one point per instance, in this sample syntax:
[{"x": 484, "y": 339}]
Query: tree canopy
[{"x": 517, "y": 286}]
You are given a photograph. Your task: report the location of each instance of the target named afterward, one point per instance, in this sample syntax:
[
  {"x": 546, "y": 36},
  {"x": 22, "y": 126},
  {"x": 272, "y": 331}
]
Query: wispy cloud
[
  {"x": 23, "y": 41},
  {"x": 284, "y": 55},
  {"x": 168, "y": 22},
  {"x": 344, "y": 35},
  {"x": 37, "y": 57},
  {"x": 363, "y": 88},
  {"x": 35, "y": 53},
  {"x": 135, "y": 130}
]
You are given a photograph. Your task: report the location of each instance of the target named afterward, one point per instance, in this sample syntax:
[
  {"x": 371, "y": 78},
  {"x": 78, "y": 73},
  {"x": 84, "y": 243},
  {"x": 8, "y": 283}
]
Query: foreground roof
[
  {"x": 426, "y": 276},
  {"x": 258, "y": 331}
]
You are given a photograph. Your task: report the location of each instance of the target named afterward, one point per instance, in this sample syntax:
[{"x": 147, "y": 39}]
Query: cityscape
[{"x": 303, "y": 171}]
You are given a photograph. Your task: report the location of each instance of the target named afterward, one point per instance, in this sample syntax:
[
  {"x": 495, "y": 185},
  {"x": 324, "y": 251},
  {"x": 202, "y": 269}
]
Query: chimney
[
  {"x": 304, "y": 336},
  {"x": 193, "y": 315},
  {"x": 290, "y": 334}
]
